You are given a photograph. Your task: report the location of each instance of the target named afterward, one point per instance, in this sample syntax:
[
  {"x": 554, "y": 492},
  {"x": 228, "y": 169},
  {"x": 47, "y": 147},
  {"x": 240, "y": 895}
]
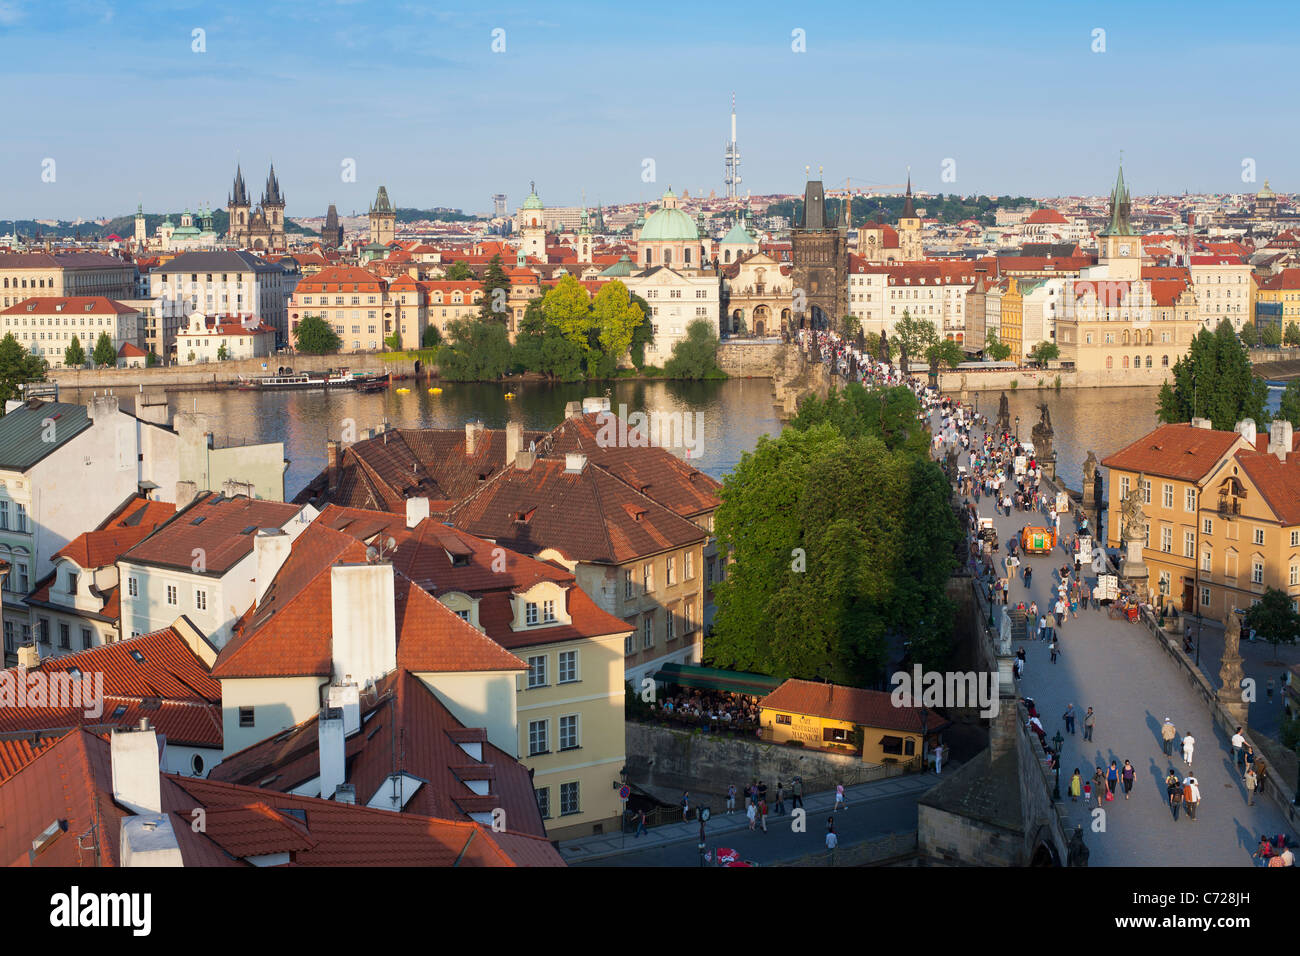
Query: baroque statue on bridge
[
  {"x": 1090, "y": 469},
  {"x": 1134, "y": 521}
]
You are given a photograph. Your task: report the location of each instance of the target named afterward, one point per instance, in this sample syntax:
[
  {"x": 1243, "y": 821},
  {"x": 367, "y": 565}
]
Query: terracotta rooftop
[
  {"x": 126, "y": 528},
  {"x": 222, "y": 528},
  {"x": 1174, "y": 451},
  {"x": 869, "y": 708}
]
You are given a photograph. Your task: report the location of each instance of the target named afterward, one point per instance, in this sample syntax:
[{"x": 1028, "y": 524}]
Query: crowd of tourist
[{"x": 711, "y": 710}]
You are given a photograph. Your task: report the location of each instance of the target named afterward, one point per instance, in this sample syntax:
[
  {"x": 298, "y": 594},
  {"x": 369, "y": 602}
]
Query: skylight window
[
  {"x": 139, "y": 658},
  {"x": 119, "y": 710}
]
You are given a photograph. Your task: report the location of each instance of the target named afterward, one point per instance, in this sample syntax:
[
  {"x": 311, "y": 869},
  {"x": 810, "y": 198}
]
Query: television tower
[{"x": 731, "y": 157}]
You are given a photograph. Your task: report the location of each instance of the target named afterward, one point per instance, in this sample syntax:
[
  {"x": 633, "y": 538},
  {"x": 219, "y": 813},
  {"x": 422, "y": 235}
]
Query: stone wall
[
  {"x": 896, "y": 848},
  {"x": 964, "y": 840},
  {"x": 181, "y": 377},
  {"x": 752, "y": 360},
  {"x": 1033, "y": 378},
  {"x": 665, "y": 761}
]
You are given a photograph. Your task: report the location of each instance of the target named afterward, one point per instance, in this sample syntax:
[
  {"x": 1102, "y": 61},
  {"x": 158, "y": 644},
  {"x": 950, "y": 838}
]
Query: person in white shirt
[
  {"x": 1238, "y": 742},
  {"x": 1189, "y": 744},
  {"x": 832, "y": 841}
]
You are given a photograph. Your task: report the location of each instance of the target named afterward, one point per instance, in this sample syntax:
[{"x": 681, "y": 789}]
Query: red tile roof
[
  {"x": 868, "y": 708},
  {"x": 130, "y": 525},
  {"x": 16, "y": 754},
  {"x": 1174, "y": 451},
  {"x": 218, "y": 526},
  {"x": 74, "y": 305}
]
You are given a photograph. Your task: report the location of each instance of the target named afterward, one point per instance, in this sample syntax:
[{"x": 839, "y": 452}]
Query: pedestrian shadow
[
  {"x": 1154, "y": 725},
  {"x": 1246, "y": 838},
  {"x": 1158, "y": 778}
]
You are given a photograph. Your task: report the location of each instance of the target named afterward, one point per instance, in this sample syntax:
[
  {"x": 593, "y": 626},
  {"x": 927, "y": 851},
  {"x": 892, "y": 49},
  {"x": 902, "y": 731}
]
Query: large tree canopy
[
  {"x": 1214, "y": 380},
  {"x": 17, "y": 367},
  {"x": 840, "y": 541},
  {"x": 476, "y": 351}
]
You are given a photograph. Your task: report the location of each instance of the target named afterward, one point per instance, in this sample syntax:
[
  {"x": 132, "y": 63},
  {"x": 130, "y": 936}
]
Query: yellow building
[
  {"x": 1284, "y": 288},
  {"x": 1011, "y": 331},
  {"x": 1221, "y": 510},
  {"x": 846, "y": 720}
]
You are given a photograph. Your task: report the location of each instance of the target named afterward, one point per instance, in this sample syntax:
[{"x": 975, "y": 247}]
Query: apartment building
[
  {"x": 225, "y": 282},
  {"x": 64, "y": 275},
  {"x": 46, "y": 326},
  {"x": 1225, "y": 289}
]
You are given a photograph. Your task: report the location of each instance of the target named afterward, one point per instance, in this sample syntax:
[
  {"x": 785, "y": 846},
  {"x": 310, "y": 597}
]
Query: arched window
[
  {"x": 726, "y": 256},
  {"x": 668, "y": 257},
  {"x": 1126, "y": 361},
  {"x": 1164, "y": 361},
  {"x": 1148, "y": 361},
  {"x": 686, "y": 253},
  {"x": 1110, "y": 361},
  {"x": 1125, "y": 337},
  {"x": 648, "y": 257},
  {"x": 1137, "y": 361}
]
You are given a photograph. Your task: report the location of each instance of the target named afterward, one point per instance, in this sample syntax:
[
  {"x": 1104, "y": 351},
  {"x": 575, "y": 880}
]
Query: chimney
[
  {"x": 574, "y": 462},
  {"x": 417, "y": 509},
  {"x": 136, "y": 781},
  {"x": 514, "y": 440},
  {"x": 345, "y": 793},
  {"x": 331, "y": 743},
  {"x": 149, "y": 841},
  {"x": 364, "y": 643},
  {"x": 524, "y": 460},
  {"x": 232, "y": 488},
  {"x": 473, "y": 430},
  {"x": 152, "y": 407},
  {"x": 1246, "y": 429},
  {"x": 101, "y": 406},
  {"x": 347, "y": 697},
  {"x": 1279, "y": 438},
  {"x": 29, "y": 657},
  {"x": 572, "y": 409},
  {"x": 332, "y": 465},
  {"x": 1202, "y": 423},
  {"x": 271, "y": 548},
  {"x": 186, "y": 492}
]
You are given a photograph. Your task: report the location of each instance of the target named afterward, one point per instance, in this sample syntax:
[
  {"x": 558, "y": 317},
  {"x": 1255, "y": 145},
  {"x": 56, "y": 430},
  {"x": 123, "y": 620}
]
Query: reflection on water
[
  {"x": 1103, "y": 420},
  {"x": 734, "y": 414}
]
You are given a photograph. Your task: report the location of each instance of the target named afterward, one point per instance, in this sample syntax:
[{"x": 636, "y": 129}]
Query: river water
[{"x": 731, "y": 416}]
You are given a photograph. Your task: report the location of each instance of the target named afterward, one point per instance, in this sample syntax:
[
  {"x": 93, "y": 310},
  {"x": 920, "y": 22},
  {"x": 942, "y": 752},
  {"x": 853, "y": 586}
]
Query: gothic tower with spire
[
  {"x": 1119, "y": 246},
  {"x": 238, "y": 208},
  {"x": 273, "y": 210},
  {"x": 909, "y": 229},
  {"x": 820, "y": 264},
  {"x": 383, "y": 219}
]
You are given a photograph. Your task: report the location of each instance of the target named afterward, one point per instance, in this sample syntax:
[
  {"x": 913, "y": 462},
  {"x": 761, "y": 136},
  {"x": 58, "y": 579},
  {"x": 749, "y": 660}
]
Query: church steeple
[
  {"x": 239, "y": 192},
  {"x": 909, "y": 211},
  {"x": 1120, "y": 206}
]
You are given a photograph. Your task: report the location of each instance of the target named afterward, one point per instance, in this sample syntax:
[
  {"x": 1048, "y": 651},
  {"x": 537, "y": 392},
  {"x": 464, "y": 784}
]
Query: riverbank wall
[
  {"x": 174, "y": 378},
  {"x": 1037, "y": 379}
]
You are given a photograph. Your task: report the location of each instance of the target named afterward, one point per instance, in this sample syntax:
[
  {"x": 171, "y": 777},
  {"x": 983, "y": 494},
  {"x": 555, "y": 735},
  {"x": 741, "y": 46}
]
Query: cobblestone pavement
[{"x": 1117, "y": 669}]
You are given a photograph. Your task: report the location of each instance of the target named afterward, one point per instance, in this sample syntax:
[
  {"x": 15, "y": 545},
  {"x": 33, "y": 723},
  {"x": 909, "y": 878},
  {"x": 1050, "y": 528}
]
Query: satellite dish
[
  {"x": 371, "y": 555},
  {"x": 392, "y": 543}
]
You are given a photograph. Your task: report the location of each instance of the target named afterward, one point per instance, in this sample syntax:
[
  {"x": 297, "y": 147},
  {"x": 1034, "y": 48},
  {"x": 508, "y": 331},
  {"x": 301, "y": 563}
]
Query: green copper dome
[
  {"x": 533, "y": 201},
  {"x": 669, "y": 225}
]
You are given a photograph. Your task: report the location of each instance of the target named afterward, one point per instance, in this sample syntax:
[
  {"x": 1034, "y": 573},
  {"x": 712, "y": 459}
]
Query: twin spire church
[{"x": 259, "y": 228}]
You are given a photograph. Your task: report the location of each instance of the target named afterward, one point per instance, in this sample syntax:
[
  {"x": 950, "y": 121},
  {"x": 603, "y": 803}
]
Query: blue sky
[{"x": 584, "y": 92}]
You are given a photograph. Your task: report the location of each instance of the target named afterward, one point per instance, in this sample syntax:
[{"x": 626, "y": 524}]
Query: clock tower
[{"x": 1119, "y": 246}]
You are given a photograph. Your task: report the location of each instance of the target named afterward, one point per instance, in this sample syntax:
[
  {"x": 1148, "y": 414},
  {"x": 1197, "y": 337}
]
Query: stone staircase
[{"x": 1019, "y": 629}]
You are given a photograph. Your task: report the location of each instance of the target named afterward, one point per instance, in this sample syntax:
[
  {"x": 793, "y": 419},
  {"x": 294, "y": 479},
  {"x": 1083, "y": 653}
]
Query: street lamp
[
  {"x": 1017, "y": 428},
  {"x": 704, "y": 818},
  {"x": 1058, "y": 740}
]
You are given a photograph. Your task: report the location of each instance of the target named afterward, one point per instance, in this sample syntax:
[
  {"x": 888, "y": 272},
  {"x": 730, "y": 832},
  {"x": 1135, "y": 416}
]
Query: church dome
[
  {"x": 1266, "y": 192},
  {"x": 669, "y": 224},
  {"x": 533, "y": 201}
]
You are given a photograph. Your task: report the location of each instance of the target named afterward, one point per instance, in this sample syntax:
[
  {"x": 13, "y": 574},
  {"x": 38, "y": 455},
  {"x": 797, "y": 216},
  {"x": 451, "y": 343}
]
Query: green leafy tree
[
  {"x": 695, "y": 356},
  {"x": 567, "y": 306},
  {"x": 1292, "y": 336},
  {"x": 104, "y": 355},
  {"x": 944, "y": 352},
  {"x": 314, "y": 336},
  {"x": 1271, "y": 336},
  {"x": 458, "y": 271},
  {"x": 150, "y": 360},
  {"x": 1045, "y": 352},
  {"x": 871, "y": 344},
  {"x": 915, "y": 335},
  {"x": 643, "y": 334},
  {"x": 994, "y": 349},
  {"x": 1289, "y": 407},
  {"x": 476, "y": 351},
  {"x": 17, "y": 367},
  {"x": 615, "y": 318},
  {"x": 393, "y": 342},
  {"x": 1274, "y": 619},
  {"x": 223, "y": 353},
  {"x": 1249, "y": 335},
  {"x": 431, "y": 338},
  {"x": 74, "y": 356},
  {"x": 1214, "y": 380},
  {"x": 496, "y": 293},
  {"x": 889, "y": 414}
]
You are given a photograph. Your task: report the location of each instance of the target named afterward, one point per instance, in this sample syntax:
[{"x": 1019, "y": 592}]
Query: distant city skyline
[{"x": 582, "y": 95}]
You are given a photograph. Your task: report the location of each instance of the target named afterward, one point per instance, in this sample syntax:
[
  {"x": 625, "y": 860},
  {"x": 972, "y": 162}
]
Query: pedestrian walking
[
  {"x": 1089, "y": 723},
  {"x": 1099, "y": 785},
  {"x": 731, "y": 799},
  {"x": 1189, "y": 745},
  {"x": 1053, "y": 649},
  {"x": 751, "y": 811},
  {"x": 839, "y": 797},
  {"x": 780, "y": 797},
  {"x": 1252, "y": 784},
  {"x": 796, "y": 793},
  {"x": 1238, "y": 741},
  {"x": 686, "y": 806},
  {"x": 1247, "y": 755},
  {"x": 1261, "y": 776},
  {"x": 1167, "y": 734},
  {"x": 1042, "y": 627},
  {"x": 939, "y": 751},
  {"x": 1127, "y": 776},
  {"x": 1112, "y": 780},
  {"x": 1264, "y": 851},
  {"x": 640, "y": 824},
  {"x": 1068, "y": 717},
  {"x": 1059, "y": 611},
  {"x": 832, "y": 841},
  {"x": 1076, "y": 784},
  {"x": 1191, "y": 797},
  {"x": 1174, "y": 787},
  {"x": 762, "y": 813}
]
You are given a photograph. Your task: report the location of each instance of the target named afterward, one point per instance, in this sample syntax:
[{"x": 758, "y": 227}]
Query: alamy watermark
[
  {"x": 62, "y": 689},
  {"x": 654, "y": 430},
  {"x": 975, "y": 689}
]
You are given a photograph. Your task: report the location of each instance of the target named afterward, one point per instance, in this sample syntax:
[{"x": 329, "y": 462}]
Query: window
[
  {"x": 1123, "y": 486},
  {"x": 648, "y": 630},
  {"x": 1164, "y": 583},
  {"x": 171, "y": 595},
  {"x": 1259, "y": 535},
  {"x": 65, "y": 635},
  {"x": 530, "y": 613},
  {"x": 1205, "y": 598},
  {"x": 548, "y": 612},
  {"x": 688, "y": 616},
  {"x": 569, "y": 732},
  {"x": 568, "y": 667},
  {"x": 43, "y": 630},
  {"x": 1295, "y": 575},
  {"x": 1189, "y": 544},
  {"x": 629, "y": 642},
  {"x": 837, "y": 735},
  {"x": 569, "y": 799},
  {"x": 1257, "y": 572},
  {"x": 647, "y": 578},
  {"x": 86, "y": 638},
  {"x": 1189, "y": 499},
  {"x": 537, "y": 671},
  {"x": 537, "y": 737},
  {"x": 1295, "y": 539},
  {"x": 1168, "y": 495},
  {"x": 200, "y": 599},
  {"x": 20, "y": 517},
  {"x": 463, "y": 615},
  {"x": 1146, "y": 492},
  {"x": 670, "y": 628},
  {"x": 783, "y": 719},
  {"x": 670, "y": 578},
  {"x": 628, "y": 593},
  {"x": 246, "y": 716},
  {"x": 544, "y": 801},
  {"x": 688, "y": 565},
  {"x": 1167, "y": 540},
  {"x": 1207, "y": 526},
  {"x": 4, "y": 516}
]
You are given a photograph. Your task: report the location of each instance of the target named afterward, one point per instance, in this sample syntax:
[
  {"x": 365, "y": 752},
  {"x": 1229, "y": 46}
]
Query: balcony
[{"x": 1229, "y": 507}]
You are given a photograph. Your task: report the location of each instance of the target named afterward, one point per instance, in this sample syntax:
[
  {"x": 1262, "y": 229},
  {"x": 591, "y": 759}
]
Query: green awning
[{"x": 713, "y": 678}]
